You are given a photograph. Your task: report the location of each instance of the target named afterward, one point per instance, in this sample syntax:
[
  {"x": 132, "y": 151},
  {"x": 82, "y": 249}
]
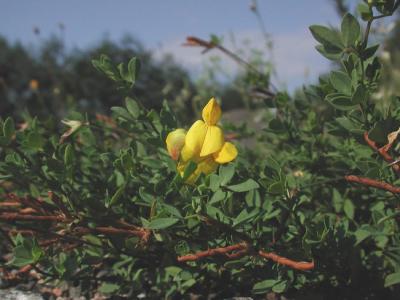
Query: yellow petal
[
  {"x": 194, "y": 141},
  {"x": 175, "y": 142},
  {"x": 213, "y": 141},
  {"x": 393, "y": 136},
  {"x": 227, "y": 153},
  {"x": 207, "y": 166},
  {"x": 211, "y": 112},
  {"x": 181, "y": 167}
]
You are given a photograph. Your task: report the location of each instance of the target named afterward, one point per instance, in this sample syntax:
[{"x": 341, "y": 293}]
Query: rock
[{"x": 13, "y": 294}]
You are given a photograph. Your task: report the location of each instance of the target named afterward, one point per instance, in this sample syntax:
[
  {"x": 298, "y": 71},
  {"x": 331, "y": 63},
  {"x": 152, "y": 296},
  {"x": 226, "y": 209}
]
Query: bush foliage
[{"x": 312, "y": 209}]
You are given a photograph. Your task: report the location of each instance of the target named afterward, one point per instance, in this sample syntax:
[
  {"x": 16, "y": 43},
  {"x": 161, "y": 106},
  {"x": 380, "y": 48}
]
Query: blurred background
[{"x": 46, "y": 48}]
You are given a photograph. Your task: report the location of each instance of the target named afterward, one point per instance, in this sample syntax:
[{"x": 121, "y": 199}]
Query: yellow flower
[
  {"x": 34, "y": 85},
  {"x": 203, "y": 144},
  {"x": 175, "y": 141}
]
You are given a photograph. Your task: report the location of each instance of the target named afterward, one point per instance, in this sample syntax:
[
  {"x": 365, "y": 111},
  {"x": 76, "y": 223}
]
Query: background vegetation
[{"x": 308, "y": 210}]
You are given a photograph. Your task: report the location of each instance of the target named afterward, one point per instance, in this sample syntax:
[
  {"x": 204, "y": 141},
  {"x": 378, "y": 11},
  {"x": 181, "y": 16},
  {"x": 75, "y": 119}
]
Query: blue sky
[{"x": 162, "y": 25}]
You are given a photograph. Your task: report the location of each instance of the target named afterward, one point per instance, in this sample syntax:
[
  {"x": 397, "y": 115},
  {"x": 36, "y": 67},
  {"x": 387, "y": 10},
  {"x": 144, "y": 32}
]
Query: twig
[
  {"x": 244, "y": 249},
  {"x": 195, "y": 41},
  {"x": 8, "y": 216},
  {"x": 297, "y": 265},
  {"x": 373, "y": 183},
  {"x": 382, "y": 151},
  {"x": 10, "y": 204},
  {"x": 215, "y": 251}
]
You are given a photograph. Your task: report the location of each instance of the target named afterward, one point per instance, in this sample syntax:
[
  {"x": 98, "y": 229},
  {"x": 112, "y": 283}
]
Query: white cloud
[{"x": 294, "y": 55}]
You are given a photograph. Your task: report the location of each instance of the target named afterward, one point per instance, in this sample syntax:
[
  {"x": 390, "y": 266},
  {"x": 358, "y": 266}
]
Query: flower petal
[
  {"x": 213, "y": 141},
  {"x": 194, "y": 141},
  {"x": 175, "y": 142},
  {"x": 226, "y": 154},
  {"x": 211, "y": 112},
  {"x": 207, "y": 166}
]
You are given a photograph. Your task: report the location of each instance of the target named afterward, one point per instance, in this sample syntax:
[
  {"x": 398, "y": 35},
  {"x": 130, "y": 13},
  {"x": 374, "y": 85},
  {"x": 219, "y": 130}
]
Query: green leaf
[
  {"x": 117, "y": 195},
  {"x": 245, "y": 216},
  {"x": 340, "y": 101},
  {"x": 326, "y": 36},
  {"x": 132, "y": 107},
  {"x": 264, "y": 286},
  {"x": 34, "y": 141},
  {"x": 162, "y": 223},
  {"x": 331, "y": 53},
  {"x": 364, "y": 11},
  {"x": 121, "y": 112},
  {"x": 8, "y": 128},
  {"x": 348, "y": 208},
  {"x": 190, "y": 168},
  {"x": 28, "y": 252},
  {"x": 277, "y": 188},
  {"x": 351, "y": 30},
  {"x": 124, "y": 75},
  {"x": 361, "y": 235},
  {"x": 172, "y": 210},
  {"x": 370, "y": 51},
  {"x": 359, "y": 95},
  {"x": 104, "y": 64},
  {"x": 226, "y": 173},
  {"x": 392, "y": 279},
  {"x": 216, "y": 213},
  {"x": 22, "y": 256},
  {"x": 279, "y": 287},
  {"x": 69, "y": 155},
  {"x": 337, "y": 200},
  {"x": 218, "y": 196},
  {"x": 341, "y": 82},
  {"x": 134, "y": 69},
  {"x": 215, "y": 182},
  {"x": 108, "y": 288},
  {"x": 248, "y": 185}
]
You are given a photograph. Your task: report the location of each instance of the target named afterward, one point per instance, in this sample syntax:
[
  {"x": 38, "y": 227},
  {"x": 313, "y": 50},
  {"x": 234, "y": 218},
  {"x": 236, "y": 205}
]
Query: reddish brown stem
[
  {"x": 16, "y": 216},
  {"x": 382, "y": 151},
  {"x": 15, "y": 276},
  {"x": 27, "y": 211},
  {"x": 373, "y": 183},
  {"x": 48, "y": 242},
  {"x": 243, "y": 249},
  {"x": 297, "y": 265},
  {"x": 10, "y": 204},
  {"x": 215, "y": 251}
]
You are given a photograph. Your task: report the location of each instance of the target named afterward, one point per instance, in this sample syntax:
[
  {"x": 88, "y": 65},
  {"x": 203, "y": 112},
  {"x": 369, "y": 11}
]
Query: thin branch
[
  {"x": 382, "y": 151},
  {"x": 297, "y": 265},
  {"x": 8, "y": 216},
  {"x": 373, "y": 183},
  {"x": 195, "y": 41},
  {"x": 244, "y": 249},
  {"x": 215, "y": 251},
  {"x": 10, "y": 204}
]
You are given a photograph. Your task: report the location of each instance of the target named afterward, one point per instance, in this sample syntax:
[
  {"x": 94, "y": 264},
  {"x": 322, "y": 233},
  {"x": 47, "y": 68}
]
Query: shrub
[{"x": 311, "y": 210}]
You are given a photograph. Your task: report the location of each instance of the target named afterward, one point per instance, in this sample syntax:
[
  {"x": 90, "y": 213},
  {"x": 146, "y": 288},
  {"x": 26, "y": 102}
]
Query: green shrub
[{"x": 312, "y": 210}]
